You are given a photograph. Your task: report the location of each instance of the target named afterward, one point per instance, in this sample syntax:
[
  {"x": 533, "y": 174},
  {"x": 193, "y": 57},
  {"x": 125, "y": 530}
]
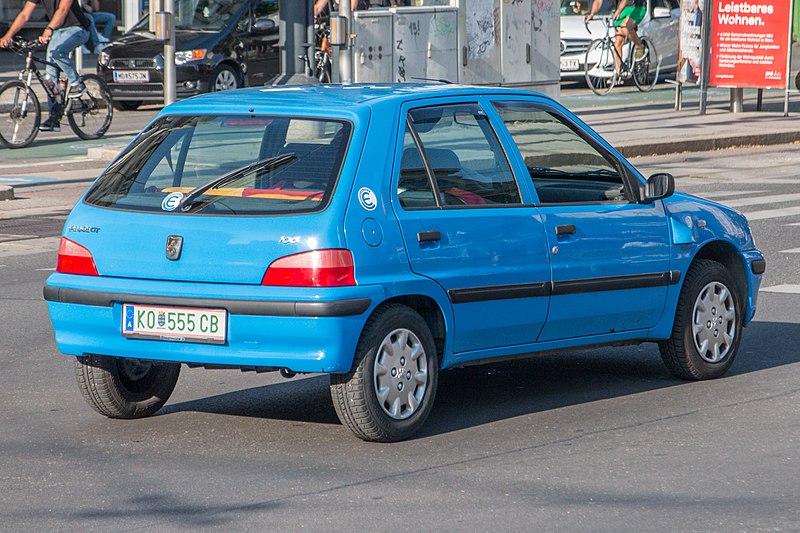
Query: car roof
[{"x": 327, "y": 98}]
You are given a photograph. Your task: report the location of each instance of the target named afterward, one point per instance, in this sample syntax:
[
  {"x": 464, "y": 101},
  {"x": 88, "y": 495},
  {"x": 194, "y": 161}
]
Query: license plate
[
  {"x": 177, "y": 324},
  {"x": 131, "y": 76},
  {"x": 569, "y": 64}
]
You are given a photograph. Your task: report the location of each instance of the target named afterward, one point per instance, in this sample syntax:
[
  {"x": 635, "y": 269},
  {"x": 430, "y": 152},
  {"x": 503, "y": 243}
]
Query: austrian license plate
[
  {"x": 177, "y": 324},
  {"x": 131, "y": 76},
  {"x": 569, "y": 64}
]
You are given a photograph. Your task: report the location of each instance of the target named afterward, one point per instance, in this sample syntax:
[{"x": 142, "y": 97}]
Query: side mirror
[
  {"x": 264, "y": 24},
  {"x": 658, "y": 186},
  {"x": 661, "y": 13}
]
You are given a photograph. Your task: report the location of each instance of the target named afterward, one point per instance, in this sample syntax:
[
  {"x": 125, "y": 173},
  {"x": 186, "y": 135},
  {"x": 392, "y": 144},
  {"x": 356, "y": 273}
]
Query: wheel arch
[
  {"x": 228, "y": 62},
  {"x": 430, "y": 312},
  {"x": 726, "y": 253}
]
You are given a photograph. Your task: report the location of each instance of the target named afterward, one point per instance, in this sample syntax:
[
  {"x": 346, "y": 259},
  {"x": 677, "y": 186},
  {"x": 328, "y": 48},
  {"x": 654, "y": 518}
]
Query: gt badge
[{"x": 174, "y": 247}]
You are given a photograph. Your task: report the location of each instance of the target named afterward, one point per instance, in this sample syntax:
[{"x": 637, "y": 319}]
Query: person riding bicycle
[
  {"x": 627, "y": 16},
  {"x": 67, "y": 30}
]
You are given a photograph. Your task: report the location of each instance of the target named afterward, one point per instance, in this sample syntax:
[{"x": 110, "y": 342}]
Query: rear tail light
[
  {"x": 75, "y": 259},
  {"x": 319, "y": 268}
]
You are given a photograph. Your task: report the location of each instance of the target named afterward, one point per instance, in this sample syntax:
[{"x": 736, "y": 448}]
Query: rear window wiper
[{"x": 264, "y": 164}]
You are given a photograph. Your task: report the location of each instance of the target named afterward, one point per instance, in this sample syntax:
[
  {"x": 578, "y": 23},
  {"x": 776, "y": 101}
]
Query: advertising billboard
[{"x": 749, "y": 43}]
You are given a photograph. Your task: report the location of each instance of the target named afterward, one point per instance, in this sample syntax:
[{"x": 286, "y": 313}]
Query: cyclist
[
  {"x": 627, "y": 16},
  {"x": 67, "y": 30}
]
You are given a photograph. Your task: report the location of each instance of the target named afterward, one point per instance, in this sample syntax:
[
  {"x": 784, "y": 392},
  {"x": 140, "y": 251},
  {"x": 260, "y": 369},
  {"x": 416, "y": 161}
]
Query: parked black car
[{"x": 220, "y": 44}]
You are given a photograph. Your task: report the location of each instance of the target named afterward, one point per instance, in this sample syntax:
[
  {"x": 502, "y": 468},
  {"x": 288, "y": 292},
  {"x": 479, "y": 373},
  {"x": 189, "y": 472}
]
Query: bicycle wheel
[
  {"x": 90, "y": 115},
  {"x": 20, "y": 115},
  {"x": 599, "y": 66},
  {"x": 645, "y": 70}
]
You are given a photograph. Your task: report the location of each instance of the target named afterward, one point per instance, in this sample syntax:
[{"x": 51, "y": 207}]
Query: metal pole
[
  {"x": 345, "y": 57},
  {"x": 737, "y": 99},
  {"x": 170, "y": 75},
  {"x": 788, "y": 69},
  {"x": 705, "y": 55}
]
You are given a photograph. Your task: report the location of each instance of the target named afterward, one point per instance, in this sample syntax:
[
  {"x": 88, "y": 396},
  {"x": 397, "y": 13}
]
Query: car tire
[
  {"x": 224, "y": 78},
  {"x": 388, "y": 394},
  {"x": 125, "y": 388},
  {"x": 128, "y": 105},
  {"x": 708, "y": 324}
]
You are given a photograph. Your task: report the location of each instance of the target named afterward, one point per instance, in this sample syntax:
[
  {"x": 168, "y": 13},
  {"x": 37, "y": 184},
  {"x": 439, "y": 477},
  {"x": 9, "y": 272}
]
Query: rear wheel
[
  {"x": 708, "y": 324},
  {"x": 599, "y": 66},
  {"x": 20, "y": 115},
  {"x": 125, "y": 388},
  {"x": 645, "y": 69},
  {"x": 90, "y": 115},
  {"x": 389, "y": 393}
]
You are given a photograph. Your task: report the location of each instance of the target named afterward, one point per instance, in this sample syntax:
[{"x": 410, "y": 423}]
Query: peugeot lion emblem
[{"x": 174, "y": 247}]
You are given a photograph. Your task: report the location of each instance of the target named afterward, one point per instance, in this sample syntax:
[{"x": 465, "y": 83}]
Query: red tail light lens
[
  {"x": 75, "y": 259},
  {"x": 319, "y": 268}
]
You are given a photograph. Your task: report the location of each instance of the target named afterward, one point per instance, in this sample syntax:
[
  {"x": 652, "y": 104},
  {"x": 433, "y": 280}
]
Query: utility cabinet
[{"x": 372, "y": 53}]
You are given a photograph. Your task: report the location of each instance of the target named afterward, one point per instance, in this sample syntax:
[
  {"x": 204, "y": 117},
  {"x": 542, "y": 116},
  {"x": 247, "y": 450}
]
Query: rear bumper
[{"x": 306, "y": 334}]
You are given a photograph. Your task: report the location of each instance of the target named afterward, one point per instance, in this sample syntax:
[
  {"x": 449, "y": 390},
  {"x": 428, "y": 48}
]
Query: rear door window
[{"x": 178, "y": 154}]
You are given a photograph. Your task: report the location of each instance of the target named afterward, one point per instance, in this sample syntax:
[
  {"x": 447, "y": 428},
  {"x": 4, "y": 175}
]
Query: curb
[
  {"x": 6, "y": 192},
  {"x": 707, "y": 144}
]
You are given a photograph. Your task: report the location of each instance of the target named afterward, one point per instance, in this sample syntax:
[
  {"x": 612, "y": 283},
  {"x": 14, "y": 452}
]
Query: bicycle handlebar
[{"x": 21, "y": 46}]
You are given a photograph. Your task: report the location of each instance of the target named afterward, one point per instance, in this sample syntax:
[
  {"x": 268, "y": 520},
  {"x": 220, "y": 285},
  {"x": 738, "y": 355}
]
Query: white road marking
[
  {"x": 772, "y": 213},
  {"x": 29, "y": 246},
  {"x": 792, "y": 251},
  {"x": 714, "y": 195},
  {"x": 784, "y": 289},
  {"x": 53, "y": 269},
  {"x": 757, "y": 200}
]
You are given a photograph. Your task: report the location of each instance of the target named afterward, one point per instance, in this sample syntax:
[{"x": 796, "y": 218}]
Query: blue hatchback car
[{"x": 381, "y": 234}]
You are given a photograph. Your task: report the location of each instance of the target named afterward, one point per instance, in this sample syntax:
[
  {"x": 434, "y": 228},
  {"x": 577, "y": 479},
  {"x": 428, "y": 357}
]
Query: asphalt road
[{"x": 600, "y": 440}]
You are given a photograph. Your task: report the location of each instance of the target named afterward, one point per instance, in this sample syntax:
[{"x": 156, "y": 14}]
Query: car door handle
[
  {"x": 565, "y": 229},
  {"x": 429, "y": 236}
]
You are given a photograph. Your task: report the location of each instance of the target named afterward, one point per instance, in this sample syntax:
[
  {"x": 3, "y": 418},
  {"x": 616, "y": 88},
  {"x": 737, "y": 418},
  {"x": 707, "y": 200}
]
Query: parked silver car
[{"x": 661, "y": 24}]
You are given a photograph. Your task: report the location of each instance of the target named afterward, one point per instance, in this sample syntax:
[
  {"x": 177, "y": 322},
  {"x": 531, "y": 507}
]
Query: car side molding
[{"x": 555, "y": 288}]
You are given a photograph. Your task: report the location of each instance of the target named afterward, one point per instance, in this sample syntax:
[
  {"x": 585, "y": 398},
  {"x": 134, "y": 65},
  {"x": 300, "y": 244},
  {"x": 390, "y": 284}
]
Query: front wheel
[
  {"x": 90, "y": 115},
  {"x": 20, "y": 115},
  {"x": 390, "y": 391},
  {"x": 125, "y": 388},
  {"x": 708, "y": 324},
  {"x": 599, "y": 68},
  {"x": 224, "y": 78},
  {"x": 646, "y": 68}
]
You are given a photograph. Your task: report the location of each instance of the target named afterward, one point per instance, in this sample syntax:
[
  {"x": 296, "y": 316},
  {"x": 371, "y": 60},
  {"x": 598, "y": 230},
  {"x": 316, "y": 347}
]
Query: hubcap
[
  {"x": 225, "y": 80},
  {"x": 400, "y": 375},
  {"x": 714, "y": 322}
]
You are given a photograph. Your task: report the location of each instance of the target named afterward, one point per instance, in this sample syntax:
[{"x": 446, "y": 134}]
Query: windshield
[
  {"x": 581, "y": 7},
  {"x": 180, "y": 154},
  {"x": 203, "y": 15}
]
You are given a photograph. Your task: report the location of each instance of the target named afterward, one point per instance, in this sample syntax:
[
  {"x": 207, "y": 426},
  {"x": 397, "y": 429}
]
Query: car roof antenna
[{"x": 446, "y": 82}]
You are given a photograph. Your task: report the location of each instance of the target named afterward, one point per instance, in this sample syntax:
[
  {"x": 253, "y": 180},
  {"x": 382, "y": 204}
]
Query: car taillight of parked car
[
  {"x": 318, "y": 268},
  {"x": 75, "y": 259}
]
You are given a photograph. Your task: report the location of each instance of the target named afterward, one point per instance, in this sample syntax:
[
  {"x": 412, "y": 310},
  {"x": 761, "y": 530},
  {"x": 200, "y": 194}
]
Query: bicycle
[
  {"x": 322, "y": 55},
  {"x": 89, "y": 115},
  {"x": 602, "y": 56}
]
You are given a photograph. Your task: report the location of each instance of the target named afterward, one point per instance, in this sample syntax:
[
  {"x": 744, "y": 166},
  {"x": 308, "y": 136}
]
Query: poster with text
[
  {"x": 749, "y": 43},
  {"x": 690, "y": 55}
]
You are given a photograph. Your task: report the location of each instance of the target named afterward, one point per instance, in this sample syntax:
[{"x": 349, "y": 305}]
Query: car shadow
[{"x": 478, "y": 395}]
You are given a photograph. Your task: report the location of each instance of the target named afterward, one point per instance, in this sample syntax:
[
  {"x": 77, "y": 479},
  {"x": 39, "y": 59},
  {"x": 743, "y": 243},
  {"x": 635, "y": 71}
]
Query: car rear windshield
[{"x": 297, "y": 163}]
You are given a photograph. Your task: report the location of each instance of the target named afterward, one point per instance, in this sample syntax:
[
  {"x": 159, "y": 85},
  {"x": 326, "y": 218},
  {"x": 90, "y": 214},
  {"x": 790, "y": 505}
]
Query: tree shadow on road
[{"x": 478, "y": 395}]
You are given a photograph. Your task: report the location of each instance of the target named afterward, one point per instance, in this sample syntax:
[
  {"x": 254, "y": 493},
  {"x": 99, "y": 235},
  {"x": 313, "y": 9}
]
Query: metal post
[
  {"x": 705, "y": 55},
  {"x": 737, "y": 99},
  {"x": 788, "y": 70},
  {"x": 170, "y": 75},
  {"x": 345, "y": 52}
]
